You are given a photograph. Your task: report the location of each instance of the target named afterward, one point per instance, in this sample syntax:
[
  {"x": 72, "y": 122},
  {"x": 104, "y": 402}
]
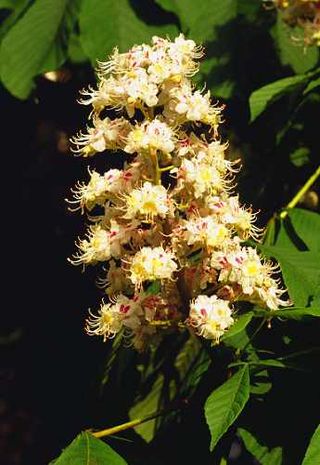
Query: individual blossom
[
  {"x": 150, "y": 136},
  {"x": 232, "y": 213},
  {"x": 205, "y": 231},
  {"x": 147, "y": 202},
  {"x": 210, "y": 316},
  {"x": 243, "y": 268},
  {"x": 101, "y": 244},
  {"x": 150, "y": 264},
  {"x": 112, "y": 317},
  {"x": 94, "y": 248},
  {"x": 105, "y": 134},
  {"x": 96, "y": 191},
  {"x": 202, "y": 178},
  {"x": 188, "y": 105}
]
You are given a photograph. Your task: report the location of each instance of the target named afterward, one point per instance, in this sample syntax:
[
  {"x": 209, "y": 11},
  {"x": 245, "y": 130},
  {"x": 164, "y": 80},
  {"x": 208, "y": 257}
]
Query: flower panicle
[{"x": 167, "y": 229}]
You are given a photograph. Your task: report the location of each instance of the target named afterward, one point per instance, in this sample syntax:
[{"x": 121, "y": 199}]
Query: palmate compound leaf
[
  {"x": 312, "y": 456},
  {"x": 261, "y": 98},
  {"x": 225, "y": 404},
  {"x": 262, "y": 453},
  {"x": 85, "y": 449},
  {"x": 26, "y": 46},
  {"x": 107, "y": 24}
]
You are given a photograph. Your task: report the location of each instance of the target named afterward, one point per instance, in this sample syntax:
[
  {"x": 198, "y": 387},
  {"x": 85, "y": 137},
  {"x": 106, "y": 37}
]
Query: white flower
[
  {"x": 105, "y": 134},
  {"x": 148, "y": 201},
  {"x": 96, "y": 191},
  {"x": 242, "y": 266},
  {"x": 139, "y": 88},
  {"x": 241, "y": 218},
  {"x": 149, "y": 136},
  {"x": 150, "y": 264},
  {"x": 210, "y": 316},
  {"x": 205, "y": 231},
  {"x": 101, "y": 244},
  {"x": 95, "y": 248},
  {"x": 111, "y": 318},
  {"x": 202, "y": 177}
]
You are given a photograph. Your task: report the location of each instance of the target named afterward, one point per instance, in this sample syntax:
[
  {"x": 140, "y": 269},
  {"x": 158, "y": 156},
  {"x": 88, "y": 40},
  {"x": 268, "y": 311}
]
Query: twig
[{"x": 301, "y": 192}]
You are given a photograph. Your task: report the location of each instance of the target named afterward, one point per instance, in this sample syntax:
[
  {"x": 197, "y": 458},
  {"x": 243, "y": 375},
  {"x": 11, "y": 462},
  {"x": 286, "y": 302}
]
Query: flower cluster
[
  {"x": 167, "y": 229},
  {"x": 303, "y": 13}
]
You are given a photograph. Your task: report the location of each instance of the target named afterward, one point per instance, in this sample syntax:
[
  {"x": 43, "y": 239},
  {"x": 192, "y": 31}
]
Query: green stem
[
  {"x": 166, "y": 168},
  {"x": 157, "y": 172},
  {"x": 254, "y": 334},
  {"x": 301, "y": 192},
  {"x": 131, "y": 424}
]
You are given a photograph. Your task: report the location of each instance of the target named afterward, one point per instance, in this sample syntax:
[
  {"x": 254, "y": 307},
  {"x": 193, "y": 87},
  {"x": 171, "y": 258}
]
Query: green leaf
[
  {"x": 200, "y": 20},
  {"x": 312, "y": 456},
  {"x": 262, "y": 453},
  {"x": 182, "y": 378},
  {"x": 154, "y": 288},
  {"x": 148, "y": 405},
  {"x": 191, "y": 364},
  {"x": 225, "y": 404},
  {"x": 313, "y": 84},
  {"x": 6, "y": 4},
  {"x": 270, "y": 363},
  {"x": 260, "y": 382},
  {"x": 300, "y": 156},
  {"x": 17, "y": 8},
  {"x": 297, "y": 313},
  {"x": 108, "y": 24},
  {"x": 28, "y": 43},
  {"x": 240, "y": 324},
  {"x": 75, "y": 51},
  {"x": 301, "y": 272},
  {"x": 291, "y": 52},
  {"x": 307, "y": 226},
  {"x": 261, "y": 98},
  {"x": 85, "y": 449}
]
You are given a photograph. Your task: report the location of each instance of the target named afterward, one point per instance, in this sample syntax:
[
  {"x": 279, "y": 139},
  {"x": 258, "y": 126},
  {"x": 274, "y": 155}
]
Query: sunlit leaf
[
  {"x": 108, "y": 24},
  {"x": 26, "y": 46},
  {"x": 300, "y": 270},
  {"x": 200, "y": 20}
]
